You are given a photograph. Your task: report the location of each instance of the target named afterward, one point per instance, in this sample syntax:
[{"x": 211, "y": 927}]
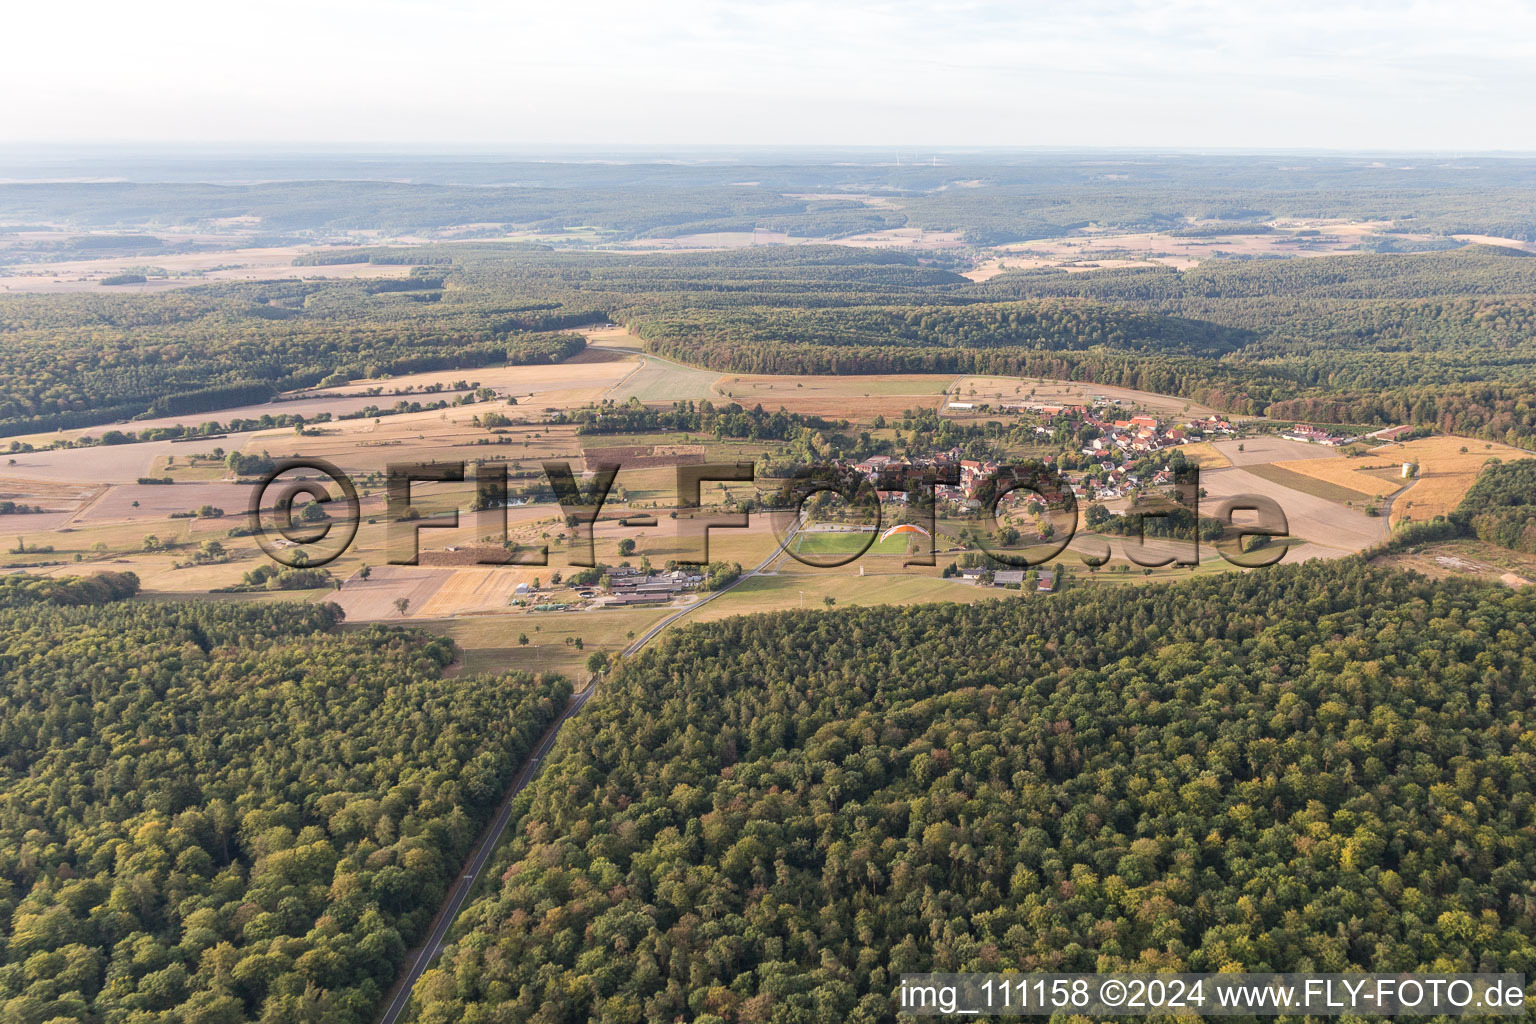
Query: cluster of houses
[
  {"x": 971, "y": 473},
  {"x": 1312, "y": 435},
  {"x": 1142, "y": 434},
  {"x": 1118, "y": 482},
  {"x": 1119, "y": 440},
  {"x": 631, "y": 586}
]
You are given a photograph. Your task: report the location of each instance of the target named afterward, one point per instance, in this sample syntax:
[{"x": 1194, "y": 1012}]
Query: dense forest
[
  {"x": 213, "y": 813},
  {"x": 1440, "y": 339},
  {"x": 1043, "y": 325},
  {"x": 770, "y": 817}
]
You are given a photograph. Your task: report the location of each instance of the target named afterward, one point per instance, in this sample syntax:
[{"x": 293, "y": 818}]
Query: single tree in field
[
  {"x": 401, "y": 604},
  {"x": 522, "y": 639}
]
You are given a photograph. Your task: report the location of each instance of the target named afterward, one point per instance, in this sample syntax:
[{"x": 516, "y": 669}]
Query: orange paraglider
[{"x": 905, "y": 528}]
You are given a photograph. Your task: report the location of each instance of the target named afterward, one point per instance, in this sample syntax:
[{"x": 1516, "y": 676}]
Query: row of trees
[{"x": 727, "y": 421}]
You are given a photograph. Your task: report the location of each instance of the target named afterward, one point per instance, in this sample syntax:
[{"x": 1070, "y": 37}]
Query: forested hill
[
  {"x": 1442, "y": 339},
  {"x": 769, "y": 818},
  {"x": 79, "y": 360},
  {"x": 216, "y": 813},
  {"x": 985, "y": 197}
]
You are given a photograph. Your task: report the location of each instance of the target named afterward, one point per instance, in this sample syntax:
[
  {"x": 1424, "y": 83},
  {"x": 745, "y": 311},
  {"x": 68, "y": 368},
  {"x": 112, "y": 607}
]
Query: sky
[{"x": 1338, "y": 74}]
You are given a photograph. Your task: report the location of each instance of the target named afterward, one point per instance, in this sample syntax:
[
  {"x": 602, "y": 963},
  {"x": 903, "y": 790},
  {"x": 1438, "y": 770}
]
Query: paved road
[
  {"x": 482, "y": 855},
  {"x": 1386, "y": 506}
]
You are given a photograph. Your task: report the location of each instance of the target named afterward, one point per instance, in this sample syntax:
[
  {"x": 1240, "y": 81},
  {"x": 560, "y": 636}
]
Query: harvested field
[
  {"x": 613, "y": 338},
  {"x": 661, "y": 381},
  {"x": 1098, "y": 249},
  {"x": 1205, "y": 455},
  {"x": 32, "y": 522},
  {"x": 591, "y": 372},
  {"x": 1445, "y": 474},
  {"x": 184, "y": 270},
  {"x": 473, "y": 590},
  {"x": 373, "y": 599},
  {"x": 159, "y": 576},
  {"x": 158, "y": 501},
  {"x": 1255, "y": 451},
  {"x": 855, "y": 396},
  {"x": 995, "y": 390},
  {"x": 680, "y": 539},
  {"x": 1316, "y": 485},
  {"x": 1368, "y": 477},
  {"x": 1447, "y": 467},
  {"x": 1330, "y": 529},
  {"x": 362, "y": 446},
  {"x": 101, "y": 464}
]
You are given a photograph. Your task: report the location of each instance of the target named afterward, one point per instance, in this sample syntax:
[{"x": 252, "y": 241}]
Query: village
[{"x": 1109, "y": 466}]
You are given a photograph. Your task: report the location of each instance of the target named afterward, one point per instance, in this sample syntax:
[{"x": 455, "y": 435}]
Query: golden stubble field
[
  {"x": 1448, "y": 466},
  {"x": 1034, "y": 390},
  {"x": 853, "y": 396},
  {"x": 183, "y": 270},
  {"x": 1096, "y": 249}
]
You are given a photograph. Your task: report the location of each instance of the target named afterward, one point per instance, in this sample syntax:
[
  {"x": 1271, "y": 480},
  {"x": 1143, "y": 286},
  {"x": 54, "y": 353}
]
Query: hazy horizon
[{"x": 1349, "y": 77}]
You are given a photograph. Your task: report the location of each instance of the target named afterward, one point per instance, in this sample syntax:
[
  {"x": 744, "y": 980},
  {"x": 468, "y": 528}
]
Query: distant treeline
[
  {"x": 992, "y": 199},
  {"x": 80, "y": 360},
  {"x": 1446, "y": 340}
]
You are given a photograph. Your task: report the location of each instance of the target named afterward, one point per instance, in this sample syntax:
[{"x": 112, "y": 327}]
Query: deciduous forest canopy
[
  {"x": 769, "y": 818},
  {"x": 221, "y": 812}
]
